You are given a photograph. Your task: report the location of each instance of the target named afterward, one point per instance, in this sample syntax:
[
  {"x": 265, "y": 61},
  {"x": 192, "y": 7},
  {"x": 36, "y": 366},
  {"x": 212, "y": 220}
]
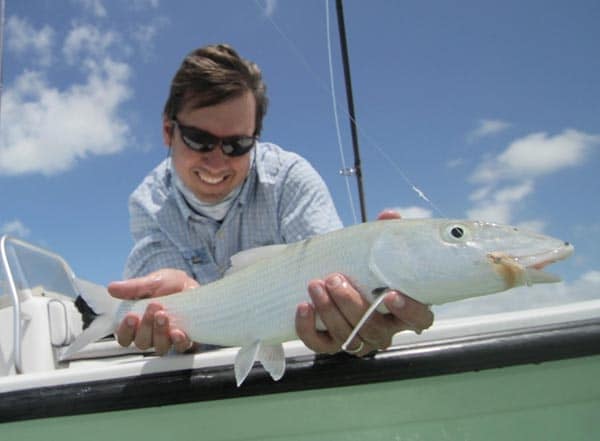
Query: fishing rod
[
  {"x": 1, "y": 50},
  {"x": 357, "y": 169}
]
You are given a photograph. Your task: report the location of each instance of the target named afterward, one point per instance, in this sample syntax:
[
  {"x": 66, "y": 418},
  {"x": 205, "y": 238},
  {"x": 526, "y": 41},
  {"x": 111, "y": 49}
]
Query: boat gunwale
[{"x": 308, "y": 371}]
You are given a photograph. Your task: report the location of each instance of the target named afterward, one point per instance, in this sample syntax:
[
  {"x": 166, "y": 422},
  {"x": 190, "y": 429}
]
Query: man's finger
[
  {"x": 131, "y": 289},
  {"x": 143, "y": 336},
  {"x": 160, "y": 335},
  {"x": 375, "y": 333},
  {"x": 318, "y": 341},
  {"x": 388, "y": 214},
  {"x": 180, "y": 340},
  {"x": 337, "y": 325},
  {"x": 158, "y": 283},
  {"x": 126, "y": 330},
  {"x": 415, "y": 315}
]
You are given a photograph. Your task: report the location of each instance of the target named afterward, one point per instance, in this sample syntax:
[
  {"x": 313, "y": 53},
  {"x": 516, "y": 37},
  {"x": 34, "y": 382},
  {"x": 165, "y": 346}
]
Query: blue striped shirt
[{"x": 282, "y": 200}]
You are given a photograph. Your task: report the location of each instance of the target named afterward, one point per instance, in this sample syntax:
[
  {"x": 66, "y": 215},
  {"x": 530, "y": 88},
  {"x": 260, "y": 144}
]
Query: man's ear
[{"x": 168, "y": 129}]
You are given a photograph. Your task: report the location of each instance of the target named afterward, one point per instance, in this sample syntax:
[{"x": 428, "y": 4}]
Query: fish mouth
[{"x": 533, "y": 265}]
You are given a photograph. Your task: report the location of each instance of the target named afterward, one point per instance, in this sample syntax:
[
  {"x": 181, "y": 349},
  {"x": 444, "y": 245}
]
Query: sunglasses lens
[
  {"x": 238, "y": 146},
  {"x": 201, "y": 141},
  {"x": 245, "y": 142},
  {"x": 199, "y": 146}
]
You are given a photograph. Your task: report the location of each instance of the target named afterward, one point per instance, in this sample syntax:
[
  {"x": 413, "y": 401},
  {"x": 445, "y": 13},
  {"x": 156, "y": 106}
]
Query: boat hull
[
  {"x": 556, "y": 400},
  {"x": 538, "y": 383}
]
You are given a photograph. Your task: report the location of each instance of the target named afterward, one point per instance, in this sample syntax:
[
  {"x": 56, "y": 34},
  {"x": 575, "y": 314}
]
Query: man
[{"x": 221, "y": 191}]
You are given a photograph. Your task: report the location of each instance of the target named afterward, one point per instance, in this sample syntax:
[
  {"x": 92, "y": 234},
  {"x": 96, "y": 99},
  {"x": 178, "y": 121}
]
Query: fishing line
[
  {"x": 420, "y": 193},
  {"x": 370, "y": 140}
]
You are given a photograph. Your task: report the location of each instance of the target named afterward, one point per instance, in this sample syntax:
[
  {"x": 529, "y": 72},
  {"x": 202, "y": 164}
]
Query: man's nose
[{"x": 215, "y": 157}]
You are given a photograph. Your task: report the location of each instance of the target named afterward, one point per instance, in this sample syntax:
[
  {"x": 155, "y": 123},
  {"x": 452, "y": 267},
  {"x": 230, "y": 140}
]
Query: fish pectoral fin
[
  {"x": 272, "y": 358},
  {"x": 244, "y": 360}
]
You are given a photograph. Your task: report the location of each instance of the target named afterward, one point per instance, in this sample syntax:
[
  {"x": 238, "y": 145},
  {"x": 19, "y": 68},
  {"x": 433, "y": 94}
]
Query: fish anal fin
[
  {"x": 244, "y": 360},
  {"x": 272, "y": 357}
]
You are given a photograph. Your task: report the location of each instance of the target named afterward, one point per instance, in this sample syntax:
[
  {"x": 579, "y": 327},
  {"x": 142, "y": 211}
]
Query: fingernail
[
  {"x": 177, "y": 338},
  {"x": 303, "y": 310},
  {"x": 398, "y": 302},
  {"x": 335, "y": 281},
  {"x": 317, "y": 290},
  {"x": 160, "y": 320},
  {"x": 130, "y": 322}
]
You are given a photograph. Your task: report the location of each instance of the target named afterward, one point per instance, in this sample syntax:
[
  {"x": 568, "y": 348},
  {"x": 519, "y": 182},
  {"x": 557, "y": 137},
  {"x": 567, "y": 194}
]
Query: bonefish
[{"x": 434, "y": 261}]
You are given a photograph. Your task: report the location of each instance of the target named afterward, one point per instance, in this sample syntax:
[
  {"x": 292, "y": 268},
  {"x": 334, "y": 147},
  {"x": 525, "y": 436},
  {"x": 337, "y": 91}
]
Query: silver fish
[{"x": 433, "y": 261}]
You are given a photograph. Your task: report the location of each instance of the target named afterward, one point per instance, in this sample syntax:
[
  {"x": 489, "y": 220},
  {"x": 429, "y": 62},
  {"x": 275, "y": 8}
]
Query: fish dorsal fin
[{"x": 248, "y": 257}]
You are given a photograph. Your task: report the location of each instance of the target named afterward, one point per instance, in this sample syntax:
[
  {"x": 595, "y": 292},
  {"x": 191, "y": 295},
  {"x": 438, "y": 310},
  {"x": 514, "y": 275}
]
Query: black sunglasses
[{"x": 201, "y": 141}]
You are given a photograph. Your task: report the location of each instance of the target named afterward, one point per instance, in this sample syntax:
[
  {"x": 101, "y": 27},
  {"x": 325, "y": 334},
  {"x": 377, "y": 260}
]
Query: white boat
[{"x": 521, "y": 375}]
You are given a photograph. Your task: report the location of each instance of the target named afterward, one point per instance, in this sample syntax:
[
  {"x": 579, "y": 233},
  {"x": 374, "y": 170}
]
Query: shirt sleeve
[
  {"x": 306, "y": 208},
  {"x": 152, "y": 250}
]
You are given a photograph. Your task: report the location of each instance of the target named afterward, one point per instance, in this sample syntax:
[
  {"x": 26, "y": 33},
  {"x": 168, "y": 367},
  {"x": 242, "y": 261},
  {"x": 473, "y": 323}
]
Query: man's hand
[
  {"x": 340, "y": 306},
  {"x": 153, "y": 329}
]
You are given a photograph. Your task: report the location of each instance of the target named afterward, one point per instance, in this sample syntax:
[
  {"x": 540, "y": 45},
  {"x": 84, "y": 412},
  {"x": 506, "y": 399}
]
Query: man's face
[{"x": 211, "y": 176}]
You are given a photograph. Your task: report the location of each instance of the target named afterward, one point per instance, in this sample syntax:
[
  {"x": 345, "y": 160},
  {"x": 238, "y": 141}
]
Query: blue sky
[{"x": 489, "y": 109}]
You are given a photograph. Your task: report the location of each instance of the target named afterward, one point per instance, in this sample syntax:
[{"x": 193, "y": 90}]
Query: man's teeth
[{"x": 210, "y": 179}]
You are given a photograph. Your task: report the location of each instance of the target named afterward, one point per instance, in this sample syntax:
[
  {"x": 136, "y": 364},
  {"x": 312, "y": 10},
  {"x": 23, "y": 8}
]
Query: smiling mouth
[{"x": 211, "y": 180}]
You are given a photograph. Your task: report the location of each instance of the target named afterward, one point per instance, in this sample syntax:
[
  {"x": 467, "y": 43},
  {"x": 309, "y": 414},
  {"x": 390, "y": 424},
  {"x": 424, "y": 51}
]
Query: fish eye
[{"x": 455, "y": 233}]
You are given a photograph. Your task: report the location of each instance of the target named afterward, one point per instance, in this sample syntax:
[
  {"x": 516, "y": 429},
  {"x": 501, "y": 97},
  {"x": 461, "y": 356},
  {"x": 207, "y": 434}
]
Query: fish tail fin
[{"x": 105, "y": 306}]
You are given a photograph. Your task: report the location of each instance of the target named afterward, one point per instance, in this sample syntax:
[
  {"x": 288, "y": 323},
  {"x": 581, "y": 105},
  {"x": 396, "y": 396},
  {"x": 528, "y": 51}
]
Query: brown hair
[{"x": 213, "y": 74}]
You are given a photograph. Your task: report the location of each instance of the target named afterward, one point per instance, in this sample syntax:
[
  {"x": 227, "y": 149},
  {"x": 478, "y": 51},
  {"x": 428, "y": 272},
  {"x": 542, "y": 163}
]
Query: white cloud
[
  {"x": 491, "y": 212},
  {"x": 453, "y": 163},
  {"x": 507, "y": 179},
  {"x": 268, "y": 7},
  {"x": 87, "y": 42},
  {"x": 95, "y": 7},
  {"x": 22, "y": 38},
  {"x": 15, "y": 228},
  {"x": 413, "y": 212},
  {"x": 46, "y": 129},
  {"x": 536, "y": 155},
  {"x": 496, "y": 205},
  {"x": 145, "y": 4},
  {"x": 145, "y": 34},
  {"x": 487, "y": 127},
  {"x": 514, "y": 193}
]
